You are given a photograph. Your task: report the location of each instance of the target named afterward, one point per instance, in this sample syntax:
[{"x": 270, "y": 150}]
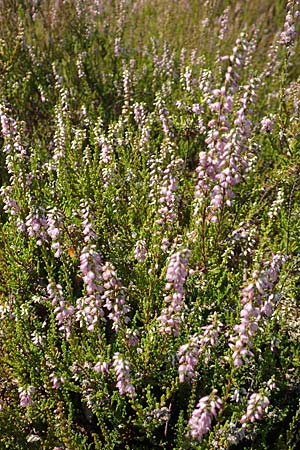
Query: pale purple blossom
[
  {"x": 171, "y": 316},
  {"x": 257, "y": 301},
  {"x": 164, "y": 117},
  {"x": 267, "y": 125},
  {"x": 25, "y": 396},
  {"x": 114, "y": 297},
  {"x": 54, "y": 230},
  {"x": 36, "y": 226},
  {"x": 63, "y": 309},
  {"x": 56, "y": 380},
  {"x": 256, "y": 407},
  {"x": 202, "y": 416},
  {"x": 289, "y": 33},
  {"x": 89, "y": 307},
  {"x": 189, "y": 354},
  {"x": 140, "y": 250},
  {"x": 88, "y": 227},
  {"x": 220, "y": 167},
  {"x": 122, "y": 369},
  {"x": 102, "y": 367},
  {"x": 10, "y": 204}
]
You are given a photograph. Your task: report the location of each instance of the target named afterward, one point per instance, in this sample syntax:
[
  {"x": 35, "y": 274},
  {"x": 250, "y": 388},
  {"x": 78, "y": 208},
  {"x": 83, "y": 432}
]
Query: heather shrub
[{"x": 149, "y": 293}]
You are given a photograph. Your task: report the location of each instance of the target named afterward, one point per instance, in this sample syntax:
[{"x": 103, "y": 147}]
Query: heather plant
[{"x": 149, "y": 256}]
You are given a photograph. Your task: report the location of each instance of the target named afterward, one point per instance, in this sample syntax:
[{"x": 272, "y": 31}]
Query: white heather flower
[{"x": 277, "y": 204}]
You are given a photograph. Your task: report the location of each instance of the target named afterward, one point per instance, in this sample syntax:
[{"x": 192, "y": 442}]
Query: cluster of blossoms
[
  {"x": 289, "y": 33},
  {"x": 267, "y": 124},
  {"x": 170, "y": 318},
  {"x": 102, "y": 367},
  {"x": 164, "y": 63},
  {"x": 242, "y": 243},
  {"x": 219, "y": 168},
  {"x": 277, "y": 204},
  {"x": 127, "y": 93},
  {"x": 14, "y": 150},
  {"x": 25, "y": 396},
  {"x": 223, "y": 24},
  {"x": 139, "y": 114},
  {"x": 89, "y": 307},
  {"x": 140, "y": 250},
  {"x": 103, "y": 287},
  {"x": 64, "y": 311},
  {"x": 61, "y": 116},
  {"x": 167, "y": 200},
  {"x": 165, "y": 171},
  {"x": 15, "y": 160},
  {"x": 201, "y": 418},
  {"x": 257, "y": 404},
  {"x": 257, "y": 300},
  {"x": 36, "y": 226},
  {"x": 10, "y": 204},
  {"x": 56, "y": 381},
  {"x": 54, "y": 230},
  {"x": 106, "y": 160},
  {"x": 189, "y": 353},
  {"x": 122, "y": 369},
  {"x": 41, "y": 226},
  {"x": 114, "y": 297},
  {"x": 164, "y": 117}
]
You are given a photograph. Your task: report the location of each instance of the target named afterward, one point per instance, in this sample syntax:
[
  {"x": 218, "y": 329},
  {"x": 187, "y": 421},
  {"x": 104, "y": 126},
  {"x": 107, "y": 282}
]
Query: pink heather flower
[
  {"x": 88, "y": 228},
  {"x": 140, "y": 251},
  {"x": 189, "y": 353},
  {"x": 36, "y": 225},
  {"x": 289, "y": 33},
  {"x": 25, "y": 396},
  {"x": 257, "y": 300},
  {"x": 139, "y": 113},
  {"x": 63, "y": 310},
  {"x": 266, "y": 125},
  {"x": 132, "y": 337},
  {"x": 122, "y": 369},
  {"x": 168, "y": 188},
  {"x": 56, "y": 381},
  {"x": 89, "y": 307},
  {"x": 164, "y": 116},
  {"x": 220, "y": 167},
  {"x": 165, "y": 244},
  {"x": 54, "y": 230},
  {"x": 170, "y": 317},
  {"x": 223, "y": 21},
  {"x": 202, "y": 416},
  {"x": 257, "y": 404},
  {"x": 10, "y": 205},
  {"x": 114, "y": 297},
  {"x": 102, "y": 367}
]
